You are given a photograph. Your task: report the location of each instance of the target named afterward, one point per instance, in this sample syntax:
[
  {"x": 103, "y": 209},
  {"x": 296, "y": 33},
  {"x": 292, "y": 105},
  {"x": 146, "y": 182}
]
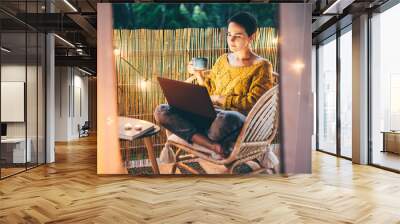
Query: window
[
  {"x": 326, "y": 137},
  {"x": 385, "y": 89},
  {"x": 346, "y": 94},
  {"x": 22, "y": 66}
]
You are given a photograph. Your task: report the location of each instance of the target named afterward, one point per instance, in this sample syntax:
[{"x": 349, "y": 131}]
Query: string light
[
  {"x": 275, "y": 40},
  {"x": 117, "y": 51},
  {"x": 143, "y": 84}
]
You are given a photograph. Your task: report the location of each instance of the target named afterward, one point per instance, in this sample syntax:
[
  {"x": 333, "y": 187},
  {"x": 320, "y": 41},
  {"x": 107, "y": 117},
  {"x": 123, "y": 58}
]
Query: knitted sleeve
[{"x": 262, "y": 81}]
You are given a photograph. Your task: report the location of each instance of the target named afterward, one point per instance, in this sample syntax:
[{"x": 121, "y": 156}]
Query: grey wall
[
  {"x": 360, "y": 90},
  {"x": 296, "y": 92}
]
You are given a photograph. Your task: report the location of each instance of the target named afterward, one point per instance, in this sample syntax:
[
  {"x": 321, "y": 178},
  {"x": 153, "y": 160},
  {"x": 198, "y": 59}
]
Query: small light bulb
[
  {"x": 117, "y": 51},
  {"x": 143, "y": 84},
  {"x": 275, "y": 40}
]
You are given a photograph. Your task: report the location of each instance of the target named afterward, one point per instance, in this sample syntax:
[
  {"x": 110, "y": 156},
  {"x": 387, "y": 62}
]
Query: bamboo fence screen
[{"x": 145, "y": 54}]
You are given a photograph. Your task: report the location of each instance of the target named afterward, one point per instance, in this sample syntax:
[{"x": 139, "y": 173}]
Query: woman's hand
[
  {"x": 218, "y": 100},
  {"x": 198, "y": 73}
]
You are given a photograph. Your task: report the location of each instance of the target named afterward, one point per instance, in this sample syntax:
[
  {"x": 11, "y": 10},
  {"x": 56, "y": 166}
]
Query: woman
[{"x": 237, "y": 80}]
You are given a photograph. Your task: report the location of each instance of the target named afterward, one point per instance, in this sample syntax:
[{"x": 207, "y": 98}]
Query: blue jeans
[{"x": 223, "y": 130}]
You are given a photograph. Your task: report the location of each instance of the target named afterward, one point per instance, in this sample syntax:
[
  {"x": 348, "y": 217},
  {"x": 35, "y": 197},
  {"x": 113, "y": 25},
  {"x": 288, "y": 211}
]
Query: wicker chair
[{"x": 254, "y": 140}]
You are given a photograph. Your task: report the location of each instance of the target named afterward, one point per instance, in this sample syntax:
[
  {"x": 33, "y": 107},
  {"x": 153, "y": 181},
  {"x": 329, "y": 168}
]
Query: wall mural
[{"x": 217, "y": 56}]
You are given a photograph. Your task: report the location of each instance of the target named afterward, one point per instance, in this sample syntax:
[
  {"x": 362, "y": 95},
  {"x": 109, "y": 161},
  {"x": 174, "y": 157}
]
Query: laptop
[
  {"x": 3, "y": 131},
  {"x": 192, "y": 101}
]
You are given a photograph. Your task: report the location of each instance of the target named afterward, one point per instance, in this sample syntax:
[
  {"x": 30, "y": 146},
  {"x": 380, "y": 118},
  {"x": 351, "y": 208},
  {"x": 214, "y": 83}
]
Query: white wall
[
  {"x": 33, "y": 127},
  {"x": 80, "y": 111},
  {"x": 71, "y": 94},
  {"x": 16, "y": 73},
  {"x": 61, "y": 103},
  {"x": 13, "y": 73}
]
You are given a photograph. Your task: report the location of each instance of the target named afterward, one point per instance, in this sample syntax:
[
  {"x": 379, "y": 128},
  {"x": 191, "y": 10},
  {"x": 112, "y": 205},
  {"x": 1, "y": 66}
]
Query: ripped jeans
[{"x": 223, "y": 130}]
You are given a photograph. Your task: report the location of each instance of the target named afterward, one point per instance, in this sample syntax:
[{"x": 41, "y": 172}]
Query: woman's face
[{"x": 237, "y": 37}]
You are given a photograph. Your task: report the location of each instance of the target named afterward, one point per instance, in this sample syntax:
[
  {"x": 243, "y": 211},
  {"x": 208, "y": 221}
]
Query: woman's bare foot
[
  {"x": 218, "y": 149},
  {"x": 206, "y": 142}
]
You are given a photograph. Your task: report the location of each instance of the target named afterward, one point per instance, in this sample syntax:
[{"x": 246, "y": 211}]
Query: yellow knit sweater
[{"x": 242, "y": 86}]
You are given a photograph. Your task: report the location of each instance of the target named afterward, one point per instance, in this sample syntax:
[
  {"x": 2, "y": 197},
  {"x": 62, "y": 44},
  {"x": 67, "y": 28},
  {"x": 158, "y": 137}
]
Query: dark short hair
[{"x": 246, "y": 20}]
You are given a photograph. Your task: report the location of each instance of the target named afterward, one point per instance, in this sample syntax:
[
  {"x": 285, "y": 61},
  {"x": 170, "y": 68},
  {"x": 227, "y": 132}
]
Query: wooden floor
[
  {"x": 10, "y": 171},
  {"x": 69, "y": 191}
]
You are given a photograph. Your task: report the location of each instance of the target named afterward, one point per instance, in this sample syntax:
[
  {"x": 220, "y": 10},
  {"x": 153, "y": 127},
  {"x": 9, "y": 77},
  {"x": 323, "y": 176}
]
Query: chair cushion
[
  {"x": 195, "y": 147},
  {"x": 167, "y": 155}
]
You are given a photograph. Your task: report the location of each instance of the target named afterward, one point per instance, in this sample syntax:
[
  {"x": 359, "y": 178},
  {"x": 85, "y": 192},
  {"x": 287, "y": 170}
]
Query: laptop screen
[{"x": 3, "y": 129}]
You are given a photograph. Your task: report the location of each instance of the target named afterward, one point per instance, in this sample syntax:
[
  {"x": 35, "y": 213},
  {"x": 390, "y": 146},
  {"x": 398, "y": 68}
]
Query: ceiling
[{"x": 75, "y": 22}]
